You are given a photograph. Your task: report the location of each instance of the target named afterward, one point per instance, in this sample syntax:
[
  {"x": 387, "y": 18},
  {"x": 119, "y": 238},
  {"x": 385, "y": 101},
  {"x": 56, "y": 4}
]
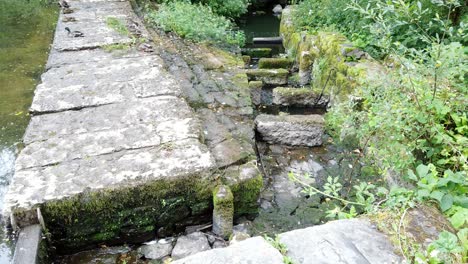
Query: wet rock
[
  {"x": 256, "y": 92},
  {"x": 269, "y": 76},
  {"x": 229, "y": 152},
  {"x": 275, "y": 63},
  {"x": 257, "y": 52},
  {"x": 238, "y": 237},
  {"x": 343, "y": 241},
  {"x": 305, "y": 68},
  {"x": 245, "y": 227},
  {"x": 278, "y": 9},
  {"x": 157, "y": 249},
  {"x": 424, "y": 223},
  {"x": 223, "y": 213},
  {"x": 302, "y": 97},
  {"x": 189, "y": 245},
  {"x": 292, "y": 130},
  {"x": 219, "y": 244},
  {"x": 254, "y": 250}
]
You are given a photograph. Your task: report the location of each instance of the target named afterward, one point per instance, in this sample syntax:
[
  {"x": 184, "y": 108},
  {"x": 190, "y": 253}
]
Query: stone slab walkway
[{"x": 103, "y": 122}]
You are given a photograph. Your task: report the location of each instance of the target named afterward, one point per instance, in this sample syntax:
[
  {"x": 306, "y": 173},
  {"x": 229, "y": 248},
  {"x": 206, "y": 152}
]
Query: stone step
[
  {"x": 343, "y": 241},
  {"x": 272, "y": 77},
  {"x": 300, "y": 97},
  {"x": 291, "y": 130},
  {"x": 253, "y": 250}
]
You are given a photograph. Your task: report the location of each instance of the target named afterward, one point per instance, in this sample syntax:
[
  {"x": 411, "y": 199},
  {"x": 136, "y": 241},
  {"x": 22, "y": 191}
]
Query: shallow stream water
[{"x": 24, "y": 46}]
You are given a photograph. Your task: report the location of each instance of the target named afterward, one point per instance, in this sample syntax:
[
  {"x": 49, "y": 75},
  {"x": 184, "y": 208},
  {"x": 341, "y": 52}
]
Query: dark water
[
  {"x": 26, "y": 30},
  {"x": 260, "y": 24}
]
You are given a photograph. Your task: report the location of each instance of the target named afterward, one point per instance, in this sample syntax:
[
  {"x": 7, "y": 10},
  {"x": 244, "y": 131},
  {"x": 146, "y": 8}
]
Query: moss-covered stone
[
  {"x": 223, "y": 212},
  {"x": 246, "y": 60},
  {"x": 256, "y": 92},
  {"x": 246, "y": 182},
  {"x": 101, "y": 217},
  {"x": 257, "y": 52},
  {"x": 275, "y": 63},
  {"x": 269, "y": 76}
]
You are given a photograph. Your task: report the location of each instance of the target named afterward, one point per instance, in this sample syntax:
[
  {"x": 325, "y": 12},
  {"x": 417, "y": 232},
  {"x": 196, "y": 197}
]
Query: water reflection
[
  {"x": 26, "y": 30},
  {"x": 7, "y": 161}
]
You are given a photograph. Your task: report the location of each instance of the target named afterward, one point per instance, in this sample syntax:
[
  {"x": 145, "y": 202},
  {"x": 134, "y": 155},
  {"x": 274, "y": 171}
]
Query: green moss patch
[
  {"x": 257, "y": 52},
  {"x": 275, "y": 63},
  {"x": 100, "y": 217}
]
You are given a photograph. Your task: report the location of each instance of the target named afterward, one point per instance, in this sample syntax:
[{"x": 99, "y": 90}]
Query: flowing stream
[{"x": 26, "y": 31}]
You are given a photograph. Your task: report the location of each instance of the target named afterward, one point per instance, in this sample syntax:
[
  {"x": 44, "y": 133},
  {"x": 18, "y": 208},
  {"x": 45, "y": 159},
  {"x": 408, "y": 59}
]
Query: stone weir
[{"x": 113, "y": 152}]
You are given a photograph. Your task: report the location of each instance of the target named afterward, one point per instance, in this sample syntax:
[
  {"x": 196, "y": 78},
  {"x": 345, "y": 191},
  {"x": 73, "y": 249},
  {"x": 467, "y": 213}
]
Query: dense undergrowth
[
  {"x": 412, "y": 124},
  {"x": 201, "y": 20}
]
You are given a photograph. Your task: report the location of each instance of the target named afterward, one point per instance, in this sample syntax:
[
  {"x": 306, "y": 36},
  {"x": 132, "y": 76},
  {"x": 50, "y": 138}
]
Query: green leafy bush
[
  {"x": 196, "y": 22},
  {"x": 402, "y": 17},
  {"x": 231, "y": 8}
]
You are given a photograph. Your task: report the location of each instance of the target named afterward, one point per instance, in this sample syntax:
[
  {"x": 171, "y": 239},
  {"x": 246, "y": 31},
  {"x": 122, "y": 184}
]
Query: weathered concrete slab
[
  {"x": 292, "y": 130},
  {"x": 254, "y": 250},
  {"x": 344, "y": 241},
  {"x": 66, "y": 136},
  {"x": 111, "y": 80},
  {"x": 91, "y": 19},
  {"x": 27, "y": 246},
  {"x": 124, "y": 169}
]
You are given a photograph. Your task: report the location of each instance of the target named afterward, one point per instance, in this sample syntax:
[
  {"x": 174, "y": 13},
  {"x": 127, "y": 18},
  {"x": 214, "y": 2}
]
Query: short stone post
[
  {"x": 305, "y": 68},
  {"x": 223, "y": 213}
]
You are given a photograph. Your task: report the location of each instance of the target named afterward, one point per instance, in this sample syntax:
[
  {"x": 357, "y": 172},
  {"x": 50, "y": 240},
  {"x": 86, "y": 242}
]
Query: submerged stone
[
  {"x": 292, "y": 130},
  {"x": 269, "y": 76}
]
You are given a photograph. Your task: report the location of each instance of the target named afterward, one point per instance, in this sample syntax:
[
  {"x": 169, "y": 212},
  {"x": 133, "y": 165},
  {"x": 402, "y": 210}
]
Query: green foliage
[
  {"x": 15, "y": 11},
  {"x": 359, "y": 20},
  {"x": 231, "y": 8},
  {"x": 196, "y": 22},
  {"x": 117, "y": 25}
]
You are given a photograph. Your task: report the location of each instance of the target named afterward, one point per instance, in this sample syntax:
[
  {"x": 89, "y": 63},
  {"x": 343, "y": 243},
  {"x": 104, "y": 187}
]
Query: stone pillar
[
  {"x": 223, "y": 213},
  {"x": 305, "y": 67}
]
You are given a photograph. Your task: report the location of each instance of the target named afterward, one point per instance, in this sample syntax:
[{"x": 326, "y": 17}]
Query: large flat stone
[
  {"x": 254, "y": 250},
  {"x": 71, "y": 135},
  {"x": 344, "y": 241},
  {"x": 111, "y": 80},
  {"x": 33, "y": 187},
  {"x": 292, "y": 130},
  {"x": 91, "y": 19}
]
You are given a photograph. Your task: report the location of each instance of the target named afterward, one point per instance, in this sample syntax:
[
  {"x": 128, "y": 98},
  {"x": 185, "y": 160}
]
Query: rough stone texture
[
  {"x": 343, "y": 241},
  {"x": 27, "y": 245},
  {"x": 156, "y": 250},
  {"x": 189, "y": 245},
  {"x": 302, "y": 97},
  {"x": 293, "y": 130},
  {"x": 223, "y": 212},
  {"x": 269, "y": 76},
  {"x": 91, "y": 19},
  {"x": 125, "y": 143},
  {"x": 254, "y": 250},
  {"x": 256, "y": 92},
  {"x": 107, "y": 130}
]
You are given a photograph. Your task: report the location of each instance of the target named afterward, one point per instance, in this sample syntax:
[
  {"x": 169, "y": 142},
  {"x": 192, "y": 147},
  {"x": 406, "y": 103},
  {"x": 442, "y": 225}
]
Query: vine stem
[
  {"x": 399, "y": 233},
  {"x": 294, "y": 178}
]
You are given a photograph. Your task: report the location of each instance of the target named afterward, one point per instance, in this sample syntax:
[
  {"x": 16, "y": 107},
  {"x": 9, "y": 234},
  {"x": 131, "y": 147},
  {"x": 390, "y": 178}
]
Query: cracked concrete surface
[{"x": 103, "y": 120}]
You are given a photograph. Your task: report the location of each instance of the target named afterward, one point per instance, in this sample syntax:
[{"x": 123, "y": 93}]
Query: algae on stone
[
  {"x": 223, "y": 212},
  {"x": 275, "y": 63},
  {"x": 269, "y": 76}
]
